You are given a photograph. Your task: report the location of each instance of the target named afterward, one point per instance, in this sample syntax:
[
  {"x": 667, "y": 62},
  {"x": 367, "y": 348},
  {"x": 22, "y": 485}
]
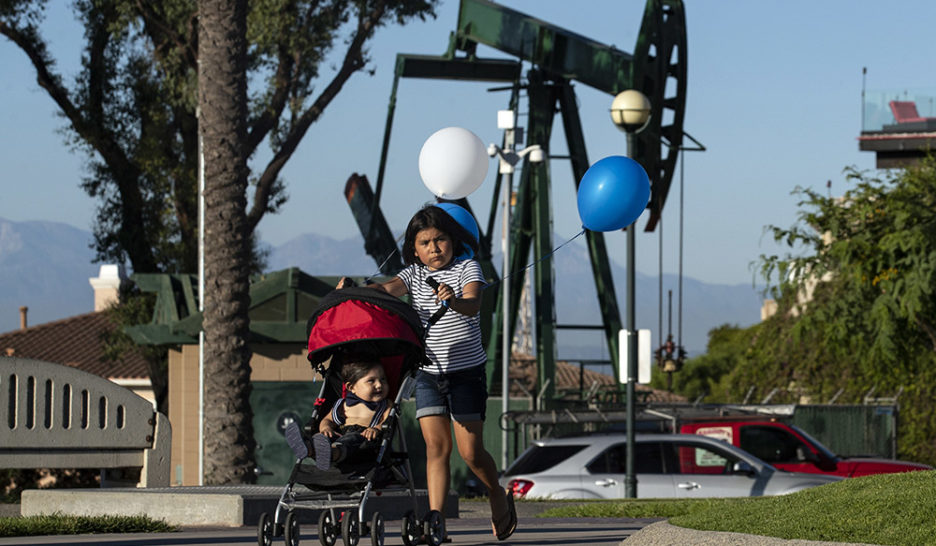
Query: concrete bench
[{"x": 54, "y": 416}]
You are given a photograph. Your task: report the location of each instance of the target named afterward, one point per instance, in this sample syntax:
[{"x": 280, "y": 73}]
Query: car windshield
[
  {"x": 540, "y": 458},
  {"x": 815, "y": 443}
]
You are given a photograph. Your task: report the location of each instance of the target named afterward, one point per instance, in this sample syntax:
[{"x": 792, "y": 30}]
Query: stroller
[{"x": 344, "y": 320}]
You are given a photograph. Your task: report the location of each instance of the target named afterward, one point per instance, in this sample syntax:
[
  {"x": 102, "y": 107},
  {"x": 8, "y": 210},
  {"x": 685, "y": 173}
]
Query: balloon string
[
  {"x": 396, "y": 249},
  {"x": 521, "y": 270}
]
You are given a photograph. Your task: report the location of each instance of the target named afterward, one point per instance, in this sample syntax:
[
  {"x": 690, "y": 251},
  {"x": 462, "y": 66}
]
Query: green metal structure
[
  {"x": 280, "y": 304},
  {"x": 557, "y": 58}
]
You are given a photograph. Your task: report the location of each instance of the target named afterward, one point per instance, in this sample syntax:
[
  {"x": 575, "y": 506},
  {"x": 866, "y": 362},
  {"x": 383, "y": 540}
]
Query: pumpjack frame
[{"x": 558, "y": 58}]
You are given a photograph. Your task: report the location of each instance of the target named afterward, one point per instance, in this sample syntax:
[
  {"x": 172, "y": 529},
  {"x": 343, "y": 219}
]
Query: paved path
[{"x": 474, "y": 531}]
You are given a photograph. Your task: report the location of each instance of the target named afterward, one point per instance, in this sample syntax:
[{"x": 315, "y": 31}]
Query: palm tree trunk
[{"x": 222, "y": 98}]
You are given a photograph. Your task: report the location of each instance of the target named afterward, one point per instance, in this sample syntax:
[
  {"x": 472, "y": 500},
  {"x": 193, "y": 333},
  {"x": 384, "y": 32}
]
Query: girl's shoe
[{"x": 505, "y": 525}]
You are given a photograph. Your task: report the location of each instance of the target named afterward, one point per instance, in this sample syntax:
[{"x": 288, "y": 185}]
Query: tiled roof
[
  {"x": 523, "y": 369},
  {"x": 76, "y": 342}
]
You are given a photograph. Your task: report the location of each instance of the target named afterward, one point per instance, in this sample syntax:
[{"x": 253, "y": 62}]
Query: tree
[
  {"x": 871, "y": 257},
  {"x": 222, "y": 99},
  {"x": 132, "y": 107},
  {"x": 700, "y": 377},
  {"x": 856, "y": 303}
]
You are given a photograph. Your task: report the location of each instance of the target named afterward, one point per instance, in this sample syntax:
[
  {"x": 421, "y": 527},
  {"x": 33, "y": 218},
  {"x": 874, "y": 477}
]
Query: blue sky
[{"x": 774, "y": 93}]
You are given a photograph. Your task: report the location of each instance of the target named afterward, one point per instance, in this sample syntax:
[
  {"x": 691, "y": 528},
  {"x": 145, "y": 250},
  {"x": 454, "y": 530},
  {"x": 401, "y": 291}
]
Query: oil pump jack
[{"x": 557, "y": 57}]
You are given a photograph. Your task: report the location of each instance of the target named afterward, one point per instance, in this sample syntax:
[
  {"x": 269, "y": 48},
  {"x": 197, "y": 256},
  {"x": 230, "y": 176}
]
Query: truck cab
[{"x": 788, "y": 447}]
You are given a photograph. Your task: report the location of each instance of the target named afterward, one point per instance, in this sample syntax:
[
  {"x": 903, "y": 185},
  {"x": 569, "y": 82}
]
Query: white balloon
[{"x": 453, "y": 162}]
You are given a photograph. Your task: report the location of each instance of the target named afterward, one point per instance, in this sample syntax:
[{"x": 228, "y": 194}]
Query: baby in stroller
[
  {"x": 351, "y": 432},
  {"x": 367, "y": 347}
]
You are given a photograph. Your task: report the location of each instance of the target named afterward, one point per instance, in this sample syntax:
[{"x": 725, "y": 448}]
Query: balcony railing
[{"x": 899, "y": 110}]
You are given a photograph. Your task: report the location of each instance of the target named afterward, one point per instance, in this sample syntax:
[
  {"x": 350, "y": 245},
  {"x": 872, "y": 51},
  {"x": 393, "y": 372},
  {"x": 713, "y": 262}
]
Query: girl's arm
[
  {"x": 394, "y": 287},
  {"x": 470, "y": 302}
]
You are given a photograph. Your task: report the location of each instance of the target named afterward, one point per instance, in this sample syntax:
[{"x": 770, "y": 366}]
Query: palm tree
[{"x": 222, "y": 100}]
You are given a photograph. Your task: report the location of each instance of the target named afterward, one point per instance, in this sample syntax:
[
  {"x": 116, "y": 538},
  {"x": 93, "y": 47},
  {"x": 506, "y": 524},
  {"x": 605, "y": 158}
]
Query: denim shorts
[{"x": 461, "y": 394}]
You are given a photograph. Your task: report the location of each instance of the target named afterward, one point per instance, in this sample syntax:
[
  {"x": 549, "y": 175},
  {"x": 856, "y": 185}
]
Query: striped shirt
[{"x": 454, "y": 343}]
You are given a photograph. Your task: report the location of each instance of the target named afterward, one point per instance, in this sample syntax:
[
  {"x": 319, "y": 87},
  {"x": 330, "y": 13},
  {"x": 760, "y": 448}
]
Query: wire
[
  {"x": 522, "y": 269},
  {"x": 396, "y": 248}
]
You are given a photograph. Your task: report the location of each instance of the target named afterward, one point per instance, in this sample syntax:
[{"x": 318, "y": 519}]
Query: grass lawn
[
  {"x": 897, "y": 509},
  {"x": 79, "y": 525}
]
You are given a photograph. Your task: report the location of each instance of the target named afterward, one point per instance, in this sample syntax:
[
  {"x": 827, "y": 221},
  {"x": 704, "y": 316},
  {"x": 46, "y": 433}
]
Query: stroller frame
[{"x": 344, "y": 513}]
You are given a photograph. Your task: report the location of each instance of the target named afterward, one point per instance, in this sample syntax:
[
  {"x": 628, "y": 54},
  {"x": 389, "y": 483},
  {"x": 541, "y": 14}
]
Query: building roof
[
  {"x": 76, "y": 342},
  {"x": 523, "y": 371}
]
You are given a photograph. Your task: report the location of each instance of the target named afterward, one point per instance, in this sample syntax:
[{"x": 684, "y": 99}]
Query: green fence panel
[{"x": 851, "y": 430}]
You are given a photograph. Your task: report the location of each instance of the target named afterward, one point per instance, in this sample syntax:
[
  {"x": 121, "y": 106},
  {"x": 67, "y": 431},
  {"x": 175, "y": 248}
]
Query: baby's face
[{"x": 372, "y": 387}]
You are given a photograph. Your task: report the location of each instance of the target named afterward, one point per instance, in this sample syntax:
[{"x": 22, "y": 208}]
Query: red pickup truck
[{"x": 790, "y": 448}]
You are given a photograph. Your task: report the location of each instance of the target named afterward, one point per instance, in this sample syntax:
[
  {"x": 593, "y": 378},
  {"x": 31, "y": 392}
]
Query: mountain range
[{"x": 46, "y": 266}]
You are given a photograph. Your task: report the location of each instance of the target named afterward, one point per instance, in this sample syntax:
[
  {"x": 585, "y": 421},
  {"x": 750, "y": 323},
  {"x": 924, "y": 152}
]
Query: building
[
  {"x": 76, "y": 341},
  {"x": 899, "y": 126}
]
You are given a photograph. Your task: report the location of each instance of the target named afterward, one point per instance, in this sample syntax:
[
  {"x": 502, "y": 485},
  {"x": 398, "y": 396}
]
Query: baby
[{"x": 353, "y": 426}]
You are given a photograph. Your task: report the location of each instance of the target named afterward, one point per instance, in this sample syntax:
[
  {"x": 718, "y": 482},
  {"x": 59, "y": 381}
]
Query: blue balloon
[
  {"x": 613, "y": 193},
  {"x": 465, "y": 220}
]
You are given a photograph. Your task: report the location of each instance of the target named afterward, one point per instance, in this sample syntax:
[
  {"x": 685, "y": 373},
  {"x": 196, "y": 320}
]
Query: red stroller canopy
[{"x": 359, "y": 315}]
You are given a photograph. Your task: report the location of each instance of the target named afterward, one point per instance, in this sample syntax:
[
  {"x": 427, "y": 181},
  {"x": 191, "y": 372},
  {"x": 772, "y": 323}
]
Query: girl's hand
[
  {"x": 445, "y": 292},
  {"x": 370, "y": 433},
  {"x": 345, "y": 282}
]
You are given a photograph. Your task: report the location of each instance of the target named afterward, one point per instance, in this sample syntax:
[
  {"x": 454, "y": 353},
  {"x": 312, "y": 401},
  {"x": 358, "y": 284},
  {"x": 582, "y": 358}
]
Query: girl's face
[
  {"x": 372, "y": 387},
  {"x": 434, "y": 248}
]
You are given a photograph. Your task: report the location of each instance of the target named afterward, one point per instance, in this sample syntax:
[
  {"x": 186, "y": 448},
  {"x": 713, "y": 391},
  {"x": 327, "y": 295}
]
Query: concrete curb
[
  {"x": 221, "y": 506},
  {"x": 662, "y": 533}
]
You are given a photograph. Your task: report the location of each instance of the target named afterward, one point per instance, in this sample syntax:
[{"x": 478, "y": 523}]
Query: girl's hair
[
  {"x": 432, "y": 216},
  {"x": 356, "y": 368}
]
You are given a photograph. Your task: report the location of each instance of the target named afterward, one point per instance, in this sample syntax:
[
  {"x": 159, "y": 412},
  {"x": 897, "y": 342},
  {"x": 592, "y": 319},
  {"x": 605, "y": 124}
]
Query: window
[
  {"x": 699, "y": 459},
  {"x": 771, "y": 444},
  {"x": 648, "y": 459},
  {"x": 540, "y": 458}
]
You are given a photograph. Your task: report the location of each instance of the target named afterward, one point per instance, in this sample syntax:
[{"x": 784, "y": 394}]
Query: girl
[{"x": 453, "y": 392}]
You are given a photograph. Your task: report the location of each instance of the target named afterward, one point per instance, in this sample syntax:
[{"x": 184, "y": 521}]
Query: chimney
[
  {"x": 107, "y": 285},
  {"x": 23, "y": 322}
]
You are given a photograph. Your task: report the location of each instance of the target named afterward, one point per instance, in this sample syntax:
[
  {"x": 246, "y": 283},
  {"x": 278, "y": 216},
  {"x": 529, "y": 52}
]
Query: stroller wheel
[
  {"x": 410, "y": 529},
  {"x": 350, "y": 530},
  {"x": 265, "y": 530},
  {"x": 377, "y": 529},
  {"x": 434, "y": 528},
  {"x": 327, "y": 530},
  {"x": 292, "y": 529}
]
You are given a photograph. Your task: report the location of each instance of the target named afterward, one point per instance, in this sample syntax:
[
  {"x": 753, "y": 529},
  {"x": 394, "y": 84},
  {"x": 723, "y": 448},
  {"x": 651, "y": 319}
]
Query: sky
[{"x": 774, "y": 94}]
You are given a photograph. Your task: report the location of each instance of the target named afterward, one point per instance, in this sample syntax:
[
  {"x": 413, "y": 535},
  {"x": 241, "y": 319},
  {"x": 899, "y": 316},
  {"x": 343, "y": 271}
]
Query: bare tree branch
[{"x": 353, "y": 62}]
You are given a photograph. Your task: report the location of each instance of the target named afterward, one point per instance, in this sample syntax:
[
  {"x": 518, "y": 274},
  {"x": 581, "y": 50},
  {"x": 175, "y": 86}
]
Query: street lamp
[
  {"x": 630, "y": 111},
  {"x": 507, "y": 120}
]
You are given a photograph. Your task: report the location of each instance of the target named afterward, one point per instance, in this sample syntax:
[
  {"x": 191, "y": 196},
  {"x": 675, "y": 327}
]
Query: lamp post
[
  {"x": 630, "y": 111},
  {"x": 506, "y": 120}
]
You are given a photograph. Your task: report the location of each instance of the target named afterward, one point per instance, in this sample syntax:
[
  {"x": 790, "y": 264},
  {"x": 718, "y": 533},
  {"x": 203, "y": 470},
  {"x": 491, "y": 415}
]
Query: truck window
[
  {"x": 770, "y": 444},
  {"x": 697, "y": 459}
]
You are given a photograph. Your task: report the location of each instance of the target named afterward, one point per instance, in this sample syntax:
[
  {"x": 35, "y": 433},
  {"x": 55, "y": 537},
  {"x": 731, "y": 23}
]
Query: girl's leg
[
  {"x": 469, "y": 437},
  {"x": 437, "y": 433}
]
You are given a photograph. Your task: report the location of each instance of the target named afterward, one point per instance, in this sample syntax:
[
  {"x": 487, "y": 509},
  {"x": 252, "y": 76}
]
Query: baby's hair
[
  {"x": 357, "y": 366},
  {"x": 432, "y": 216}
]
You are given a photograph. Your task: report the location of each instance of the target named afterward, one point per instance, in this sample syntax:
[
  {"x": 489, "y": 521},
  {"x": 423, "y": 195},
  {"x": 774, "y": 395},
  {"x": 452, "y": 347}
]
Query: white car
[{"x": 665, "y": 465}]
